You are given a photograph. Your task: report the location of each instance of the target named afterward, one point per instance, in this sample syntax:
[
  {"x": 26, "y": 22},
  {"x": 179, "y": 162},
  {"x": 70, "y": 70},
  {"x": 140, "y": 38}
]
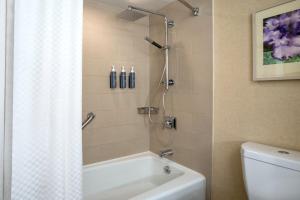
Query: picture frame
[{"x": 276, "y": 42}]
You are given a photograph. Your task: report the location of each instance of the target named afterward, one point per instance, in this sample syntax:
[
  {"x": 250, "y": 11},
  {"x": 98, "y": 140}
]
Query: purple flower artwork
[{"x": 281, "y": 35}]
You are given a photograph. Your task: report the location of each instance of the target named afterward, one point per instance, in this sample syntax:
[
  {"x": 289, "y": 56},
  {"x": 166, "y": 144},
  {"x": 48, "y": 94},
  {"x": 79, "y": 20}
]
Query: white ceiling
[{"x": 147, "y": 4}]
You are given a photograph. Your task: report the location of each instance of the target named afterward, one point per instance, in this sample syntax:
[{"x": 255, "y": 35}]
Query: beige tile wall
[
  {"x": 265, "y": 112},
  {"x": 190, "y": 100},
  {"x": 117, "y": 129}
]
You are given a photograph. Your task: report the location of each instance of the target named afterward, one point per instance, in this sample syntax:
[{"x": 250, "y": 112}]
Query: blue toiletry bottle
[
  {"x": 123, "y": 78},
  {"x": 131, "y": 78},
  {"x": 113, "y": 77}
]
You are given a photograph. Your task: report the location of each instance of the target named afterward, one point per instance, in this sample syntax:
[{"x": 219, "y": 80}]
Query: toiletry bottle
[
  {"x": 123, "y": 78},
  {"x": 113, "y": 77},
  {"x": 131, "y": 78}
]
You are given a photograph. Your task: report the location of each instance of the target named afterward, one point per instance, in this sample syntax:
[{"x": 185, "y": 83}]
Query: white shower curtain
[{"x": 47, "y": 146}]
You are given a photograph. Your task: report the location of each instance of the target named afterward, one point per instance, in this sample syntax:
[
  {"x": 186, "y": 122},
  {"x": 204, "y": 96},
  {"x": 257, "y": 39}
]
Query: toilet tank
[{"x": 270, "y": 173}]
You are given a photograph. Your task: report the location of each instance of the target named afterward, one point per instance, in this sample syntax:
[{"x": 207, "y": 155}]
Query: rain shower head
[
  {"x": 131, "y": 15},
  {"x": 138, "y": 9}
]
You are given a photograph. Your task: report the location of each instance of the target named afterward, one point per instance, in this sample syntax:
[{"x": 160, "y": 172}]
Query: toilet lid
[{"x": 273, "y": 155}]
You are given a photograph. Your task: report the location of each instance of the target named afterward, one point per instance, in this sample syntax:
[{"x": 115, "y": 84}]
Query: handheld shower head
[{"x": 153, "y": 42}]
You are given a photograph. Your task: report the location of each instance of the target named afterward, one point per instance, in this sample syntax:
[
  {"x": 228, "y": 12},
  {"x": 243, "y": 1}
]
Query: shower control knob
[
  {"x": 171, "y": 82},
  {"x": 169, "y": 122}
]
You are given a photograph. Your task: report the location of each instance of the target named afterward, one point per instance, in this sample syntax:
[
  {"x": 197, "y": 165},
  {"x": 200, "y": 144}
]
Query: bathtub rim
[
  {"x": 189, "y": 178},
  {"x": 143, "y": 155}
]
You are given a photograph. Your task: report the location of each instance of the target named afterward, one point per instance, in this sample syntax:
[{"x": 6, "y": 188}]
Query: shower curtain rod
[{"x": 195, "y": 10}]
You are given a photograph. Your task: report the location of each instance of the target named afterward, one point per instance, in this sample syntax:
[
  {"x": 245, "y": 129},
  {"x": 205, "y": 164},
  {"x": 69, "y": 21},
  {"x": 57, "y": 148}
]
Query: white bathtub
[{"x": 141, "y": 177}]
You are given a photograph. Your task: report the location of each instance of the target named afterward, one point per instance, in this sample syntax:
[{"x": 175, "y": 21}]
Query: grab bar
[{"x": 90, "y": 117}]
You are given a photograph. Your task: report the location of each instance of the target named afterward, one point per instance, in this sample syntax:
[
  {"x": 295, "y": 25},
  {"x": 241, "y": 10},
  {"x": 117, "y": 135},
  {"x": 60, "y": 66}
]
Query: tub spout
[{"x": 165, "y": 153}]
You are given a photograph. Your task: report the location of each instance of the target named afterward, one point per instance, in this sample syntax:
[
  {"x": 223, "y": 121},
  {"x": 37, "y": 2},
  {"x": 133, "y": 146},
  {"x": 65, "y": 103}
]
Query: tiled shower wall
[
  {"x": 117, "y": 129},
  {"x": 190, "y": 99}
]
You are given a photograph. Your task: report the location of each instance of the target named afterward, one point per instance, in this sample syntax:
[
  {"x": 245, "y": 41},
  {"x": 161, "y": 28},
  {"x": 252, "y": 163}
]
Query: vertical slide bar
[{"x": 167, "y": 53}]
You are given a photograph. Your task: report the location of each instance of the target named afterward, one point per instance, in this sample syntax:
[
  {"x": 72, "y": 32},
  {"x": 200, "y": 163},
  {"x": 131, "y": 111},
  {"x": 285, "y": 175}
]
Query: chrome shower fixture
[
  {"x": 131, "y": 15},
  {"x": 195, "y": 10},
  {"x": 170, "y": 122},
  {"x": 171, "y": 23},
  {"x": 153, "y": 42},
  {"x": 165, "y": 153},
  {"x": 165, "y": 47},
  {"x": 133, "y": 8}
]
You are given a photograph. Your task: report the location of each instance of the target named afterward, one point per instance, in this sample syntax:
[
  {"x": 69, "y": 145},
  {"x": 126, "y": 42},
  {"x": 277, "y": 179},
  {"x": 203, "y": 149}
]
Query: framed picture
[{"x": 276, "y": 42}]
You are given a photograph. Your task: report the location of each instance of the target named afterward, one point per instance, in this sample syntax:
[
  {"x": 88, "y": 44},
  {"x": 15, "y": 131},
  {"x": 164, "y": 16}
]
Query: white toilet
[{"x": 270, "y": 173}]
